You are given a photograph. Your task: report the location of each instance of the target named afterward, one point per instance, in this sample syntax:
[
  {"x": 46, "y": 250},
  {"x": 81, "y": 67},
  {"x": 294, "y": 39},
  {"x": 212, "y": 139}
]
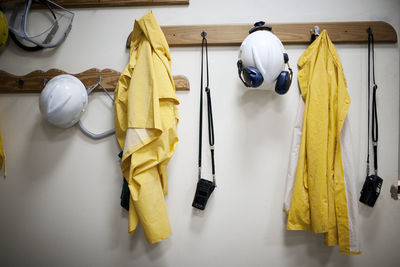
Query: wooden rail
[
  {"x": 288, "y": 33},
  {"x": 35, "y": 81},
  {"x": 102, "y": 3}
]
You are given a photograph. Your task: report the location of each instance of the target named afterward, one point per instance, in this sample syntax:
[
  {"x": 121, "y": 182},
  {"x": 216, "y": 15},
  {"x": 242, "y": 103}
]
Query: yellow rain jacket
[
  {"x": 320, "y": 196},
  {"x": 145, "y": 125}
]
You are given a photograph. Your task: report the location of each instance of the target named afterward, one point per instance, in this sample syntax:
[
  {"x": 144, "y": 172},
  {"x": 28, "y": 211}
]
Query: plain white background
[{"x": 60, "y": 201}]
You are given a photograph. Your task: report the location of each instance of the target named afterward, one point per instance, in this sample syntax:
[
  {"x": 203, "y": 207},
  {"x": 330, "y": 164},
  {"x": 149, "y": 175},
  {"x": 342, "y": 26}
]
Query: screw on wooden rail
[{"x": 20, "y": 83}]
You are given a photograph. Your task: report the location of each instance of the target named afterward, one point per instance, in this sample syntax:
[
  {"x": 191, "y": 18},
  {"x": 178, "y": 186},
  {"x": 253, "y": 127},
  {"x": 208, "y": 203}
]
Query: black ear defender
[
  {"x": 284, "y": 79},
  {"x": 252, "y": 77}
]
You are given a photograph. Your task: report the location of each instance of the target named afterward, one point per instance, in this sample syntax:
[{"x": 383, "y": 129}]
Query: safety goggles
[{"x": 45, "y": 28}]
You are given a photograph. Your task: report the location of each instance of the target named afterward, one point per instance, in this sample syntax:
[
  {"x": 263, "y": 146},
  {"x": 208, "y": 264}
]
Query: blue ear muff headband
[{"x": 252, "y": 77}]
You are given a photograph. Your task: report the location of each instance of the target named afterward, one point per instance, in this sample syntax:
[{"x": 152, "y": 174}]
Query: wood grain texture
[
  {"x": 35, "y": 81},
  {"x": 103, "y": 3},
  {"x": 288, "y": 33}
]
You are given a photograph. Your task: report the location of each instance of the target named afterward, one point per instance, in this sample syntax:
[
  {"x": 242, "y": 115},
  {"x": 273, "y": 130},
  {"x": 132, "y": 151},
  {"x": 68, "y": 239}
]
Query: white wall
[{"x": 60, "y": 201}]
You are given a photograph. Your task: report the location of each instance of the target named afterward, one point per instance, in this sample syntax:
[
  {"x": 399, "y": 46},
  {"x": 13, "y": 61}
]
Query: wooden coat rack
[
  {"x": 288, "y": 33},
  {"x": 35, "y": 81},
  {"x": 104, "y": 3}
]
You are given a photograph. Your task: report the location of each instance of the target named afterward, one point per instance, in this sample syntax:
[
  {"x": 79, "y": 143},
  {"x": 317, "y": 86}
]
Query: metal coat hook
[
  {"x": 314, "y": 33},
  {"x": 316, "y": 30},
  {"x": 83, "y": 128},
  {"x": 100, "y": 79},
  {"x": 21, "y": 83}
]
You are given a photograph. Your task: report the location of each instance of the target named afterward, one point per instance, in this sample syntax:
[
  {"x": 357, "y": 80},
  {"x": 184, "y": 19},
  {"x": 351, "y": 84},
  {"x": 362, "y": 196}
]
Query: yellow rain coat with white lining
[
  {"x": 321, "y": 193},
  {"x": 145, "y": 125}
]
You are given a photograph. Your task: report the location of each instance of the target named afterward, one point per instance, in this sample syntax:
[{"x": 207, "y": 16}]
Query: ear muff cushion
[
  {"x": 252, "y": 76},
  {"x": 283, "y": 83}
]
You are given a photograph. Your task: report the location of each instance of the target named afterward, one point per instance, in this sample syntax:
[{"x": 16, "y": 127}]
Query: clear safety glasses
[{"x": 46, "y": 27}]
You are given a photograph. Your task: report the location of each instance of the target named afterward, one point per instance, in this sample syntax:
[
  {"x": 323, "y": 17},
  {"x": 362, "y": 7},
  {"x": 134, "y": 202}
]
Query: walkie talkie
[
  {"x": 203, "y": 193},
  {"x": 371, "y": 190}
]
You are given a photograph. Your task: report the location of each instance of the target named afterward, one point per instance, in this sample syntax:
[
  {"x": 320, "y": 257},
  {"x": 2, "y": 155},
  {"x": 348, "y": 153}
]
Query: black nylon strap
[
  {"x": 46, "y": 3},
  {"x": 369, "y": 93},
  {"x": 374, "y": 120},
  {"x": 23, "y": 46},
  {"x": 240, "y": 71},
  {"x": 374, "y": 129},
  {"x": 210, "y": 130},
  {"x": 209, "y": 110},
  {"x": 201, "y": 111}
]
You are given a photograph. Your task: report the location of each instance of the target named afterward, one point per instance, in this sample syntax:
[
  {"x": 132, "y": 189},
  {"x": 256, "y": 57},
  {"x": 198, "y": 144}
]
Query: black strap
[
  {"x": 240, "y": 70},
  {"x": 209, "y": 110},
  {"x": 23, "y": 46},
  {"x": 374, "y": 120},
  {"x": 46, "y": 3}
]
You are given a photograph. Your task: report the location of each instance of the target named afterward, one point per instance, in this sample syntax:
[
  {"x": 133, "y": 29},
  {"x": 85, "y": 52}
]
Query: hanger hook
[
  {"x": 316, "y": 30},
  {"x": 314, "y": 33}
]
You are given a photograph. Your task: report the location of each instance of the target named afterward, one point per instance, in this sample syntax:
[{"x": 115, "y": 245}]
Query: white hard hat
[
  {"x": 263, "y": 51},
  {"x": 63, "y": 100}
]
